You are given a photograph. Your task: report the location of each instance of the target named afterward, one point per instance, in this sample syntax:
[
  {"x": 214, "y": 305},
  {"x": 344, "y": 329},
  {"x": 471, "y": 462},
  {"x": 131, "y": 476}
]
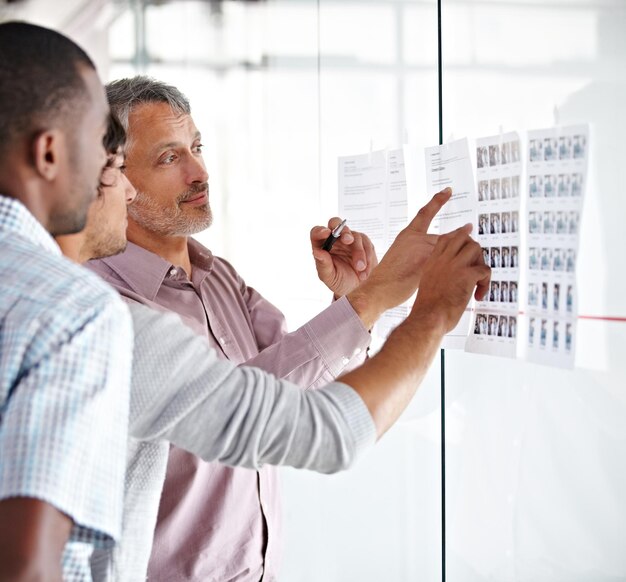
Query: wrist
[
  {"x": 427, "y": 317},
  {"x": 367, "y": 303}
]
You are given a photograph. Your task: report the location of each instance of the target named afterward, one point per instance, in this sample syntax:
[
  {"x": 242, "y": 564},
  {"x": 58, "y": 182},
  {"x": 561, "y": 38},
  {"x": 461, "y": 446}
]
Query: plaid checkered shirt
[{"x": 65, "y": 356}]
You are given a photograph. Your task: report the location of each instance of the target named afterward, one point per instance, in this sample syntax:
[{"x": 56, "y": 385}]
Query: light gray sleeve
[{"x": 183, "y": 393}]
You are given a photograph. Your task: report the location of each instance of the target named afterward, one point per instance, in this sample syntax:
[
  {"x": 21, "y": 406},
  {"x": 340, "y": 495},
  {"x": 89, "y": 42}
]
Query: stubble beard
[{"x": 172, "y": 220}]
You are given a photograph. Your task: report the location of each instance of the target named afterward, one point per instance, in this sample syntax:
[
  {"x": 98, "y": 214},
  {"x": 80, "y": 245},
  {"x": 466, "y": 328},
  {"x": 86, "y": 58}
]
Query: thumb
[{"x": 323, "y": 263}]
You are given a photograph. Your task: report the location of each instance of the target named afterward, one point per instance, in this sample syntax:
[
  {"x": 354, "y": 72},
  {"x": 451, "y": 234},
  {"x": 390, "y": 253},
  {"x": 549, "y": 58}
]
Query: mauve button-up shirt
[{"x": 218, "y": 523}]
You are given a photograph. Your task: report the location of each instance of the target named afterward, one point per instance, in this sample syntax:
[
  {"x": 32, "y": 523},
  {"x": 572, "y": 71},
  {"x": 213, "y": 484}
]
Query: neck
[
  {"x": 173, "y": 249},
  {"x": 72, "y": 246}
]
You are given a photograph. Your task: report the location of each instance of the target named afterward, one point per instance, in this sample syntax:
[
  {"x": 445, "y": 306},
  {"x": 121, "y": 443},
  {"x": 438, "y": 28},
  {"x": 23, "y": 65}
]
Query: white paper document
[
  {"x": 450, "y": 165},
  {"x": 373, "y": 199},
  {"x": 498, "y": 174},
  {"x": 557, "y": 176}
]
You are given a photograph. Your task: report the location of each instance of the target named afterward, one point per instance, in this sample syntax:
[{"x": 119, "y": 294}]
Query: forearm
[
  {"x": 31, "y": 547},
  {"x": 316, "y": 353},
  {"x": 388, "y": 380}
]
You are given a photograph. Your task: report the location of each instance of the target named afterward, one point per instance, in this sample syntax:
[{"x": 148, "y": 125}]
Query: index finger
[{"x": 425, "y": 215}]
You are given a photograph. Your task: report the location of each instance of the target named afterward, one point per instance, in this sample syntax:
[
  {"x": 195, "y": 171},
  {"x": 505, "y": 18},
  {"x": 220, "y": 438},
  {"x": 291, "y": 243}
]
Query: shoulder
[{"x": 41, "y": 291}]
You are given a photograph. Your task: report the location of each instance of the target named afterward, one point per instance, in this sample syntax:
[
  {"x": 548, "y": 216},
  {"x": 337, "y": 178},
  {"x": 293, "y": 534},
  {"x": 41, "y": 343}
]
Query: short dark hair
[
  {"x": 115, "y": 137},
  {"x": 40, "y": 80}
]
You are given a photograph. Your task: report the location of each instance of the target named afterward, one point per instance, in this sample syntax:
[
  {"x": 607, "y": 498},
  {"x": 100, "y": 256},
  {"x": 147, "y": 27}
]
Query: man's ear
[{"x": 48, "y": 149}]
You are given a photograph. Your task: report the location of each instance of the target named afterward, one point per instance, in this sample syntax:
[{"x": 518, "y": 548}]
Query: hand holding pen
[{"x": 348, "y": 263}]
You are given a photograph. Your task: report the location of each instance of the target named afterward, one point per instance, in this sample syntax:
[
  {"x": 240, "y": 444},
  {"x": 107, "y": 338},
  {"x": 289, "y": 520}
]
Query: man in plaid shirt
[{"x": 65, "y": 337}]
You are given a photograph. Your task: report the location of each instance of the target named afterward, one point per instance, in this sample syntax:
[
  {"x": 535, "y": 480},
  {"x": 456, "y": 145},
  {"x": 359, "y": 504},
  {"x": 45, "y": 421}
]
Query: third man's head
[{"x": 163, "y": 159}]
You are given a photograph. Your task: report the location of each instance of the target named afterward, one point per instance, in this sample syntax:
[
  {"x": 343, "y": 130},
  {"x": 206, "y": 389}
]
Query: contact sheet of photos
[
  {"x": 557, "y": 172},
  {"x": 498, "y": 175}
]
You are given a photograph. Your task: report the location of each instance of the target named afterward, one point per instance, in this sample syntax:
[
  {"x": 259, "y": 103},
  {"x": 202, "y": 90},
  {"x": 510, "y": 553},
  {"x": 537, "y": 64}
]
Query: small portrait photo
[
  {"x": 486, "y": 256},
  {"x": 533, "y": 258},
  {"x": 494, "y": 189},
  {"x": 482, "y": 161},
  {"x": 514, "y": 151},
  {"x": 569, "y": 299},
  {"x": 549, "y": 149},
  {"x": 492, "y": 327},
  {"x": 549, "y": 186},
  {"x": 577, "y": 185},
  {"x": 544, "y": 295},
  {"x": 514, "y": 221},
  {"x": 531, "y": 331},
  {"x": 533, "y": 294},
  {"x": 564, "y": 185},
  {"x": 535, "y": 186},
  {"x": 559, "y": 260},
  {"x": 555, "y": 335},
  {"x": 515, "y": 187},
  {"x": 565, "y": 147},
  {"x": 480, "y": 325},
  {"x": 504, "y": 291},
  {"x": 543, "y": 332},
  {"x": 483, "y": 190},
  {"x": 496, "y": 259},
  {"x": 494, "y": 223},
  {"x": 506, "y": 222},
  {"x": 494, "y": 155},
  {"x": 513, "y": 292},
  {"x": 503, "y": 326},
  {"x": 512, "y": 326},
  {"x": 570, "y": 261},
  {"x": 505, "y": 153},
  {"x": 546, "y": 259},
  {"x": 561, "y": 222},
  {"x": 572, "y": 223},
  {"x": 549, "y": 222},
  {"x": 568, "y": 337},
  {"x": 578, "y": 146},
  {"x": 505, "y": 188},
  {"x": 514, "y": 258},
  {"x": 494, "y": 292},
  {"x": 534, "y": 222},
  {"x": 556, "y": 296},
  {"x": 506, "y": 258},
  {"x": 535, "y": 150},
  {"x": 483, "y": 224}
]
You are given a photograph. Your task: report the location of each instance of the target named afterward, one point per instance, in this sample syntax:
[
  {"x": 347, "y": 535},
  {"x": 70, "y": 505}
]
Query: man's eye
[
  {"x": 168, "y": 159},
  {"x": 198, "y": 149}
]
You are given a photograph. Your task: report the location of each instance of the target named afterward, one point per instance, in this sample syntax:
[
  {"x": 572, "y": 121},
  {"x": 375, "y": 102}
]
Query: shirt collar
[
  {"x": 145, "y": 271},
  {"x": 16, "y": 219}
]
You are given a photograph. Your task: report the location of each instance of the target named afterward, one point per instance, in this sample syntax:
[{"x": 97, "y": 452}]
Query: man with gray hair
[{"x": 217, "y": 522}]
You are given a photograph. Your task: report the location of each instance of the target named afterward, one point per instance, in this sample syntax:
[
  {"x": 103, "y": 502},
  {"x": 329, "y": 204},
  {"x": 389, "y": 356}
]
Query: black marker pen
[{"x": 334, "y": 236}]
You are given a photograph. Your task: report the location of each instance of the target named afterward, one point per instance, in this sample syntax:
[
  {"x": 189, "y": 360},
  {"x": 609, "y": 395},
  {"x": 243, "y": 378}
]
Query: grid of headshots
[
  {"x": 550, "y": 334},
  {"x": 555, "y": 185},
  {"x": 558, "y": 297},
  {"x": 501, "y": 257},
  {"x": 552, "y": 222},
  {"x": 498, "y": 222},
  {"x": 489, "y": 324},
  {"x": 550, "y": 149},
  {"x": 498, "y": 188},
  {"x": 549, "y": 259},
  {"x": 489, "y": 156},
  {"x": 502, "y": 292}
]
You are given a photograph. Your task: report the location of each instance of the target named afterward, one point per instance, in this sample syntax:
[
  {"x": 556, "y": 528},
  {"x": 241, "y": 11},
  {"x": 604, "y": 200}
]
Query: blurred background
[{"x": 535, "y": 471}]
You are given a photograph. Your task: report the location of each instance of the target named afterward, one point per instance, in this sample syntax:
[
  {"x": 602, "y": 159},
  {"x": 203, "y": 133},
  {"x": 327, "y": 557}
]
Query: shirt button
[
  {"x": 173, "y": 272},
  {"x": 357, "y": 351},
  {"x": 222, "y": 340},
  {"x": 345, "y": 360}
]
